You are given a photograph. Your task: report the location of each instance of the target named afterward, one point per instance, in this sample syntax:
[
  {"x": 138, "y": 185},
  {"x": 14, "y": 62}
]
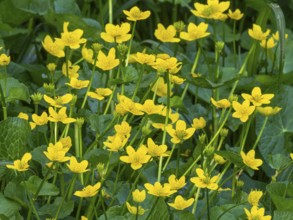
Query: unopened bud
[
  {"x": 51, "y": 67},
  {"x": 224, "y": 132},
  {"x": 37, "y": 97},
  {"x": 97, "y": 47},
  {"x": 179, "y": 26}
]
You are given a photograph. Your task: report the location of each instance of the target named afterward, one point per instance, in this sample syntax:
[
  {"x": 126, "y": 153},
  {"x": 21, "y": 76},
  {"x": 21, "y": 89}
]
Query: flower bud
[
  {"x": 179, "y": 26},
  {"x": 37, "y": 97},
  {"x": 97, "y": 47},
  {"x": 51, "y": 67},
  {"x": 224, "y": 132}
]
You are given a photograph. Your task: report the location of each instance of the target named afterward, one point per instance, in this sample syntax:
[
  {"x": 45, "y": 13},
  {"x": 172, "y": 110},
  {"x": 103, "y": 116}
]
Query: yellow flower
[
  {"x": 51, "y": 67},
  {"x": 72, "y": 70},
  {"x": 107, "y": 62},
  {"x": 250, "y": 161},
  {"x": 291, "y": 155},
  {"x": 199, "y": 123},
  {"x": 159, "y": 190},
  {"x": 166, "y": 35},
  {"x": 54, "y": 48},
  {"x": 242, "y": 111},
  {"x": 170, "y": 64},
  {"x": 204, "y": 181},
  {"x": 83, "y": 218},
  {"x": 129, "y": 106},
  {"x": 23, "y": 116},
  {"x": 71, "y": 39},
  {"x": 180, "y": 133},
  {"x": 87, "y": 54},
  {"x": 60, "y": 116},
  {"x": 58, "y": 101},
  {"x": 257, "y": 98},
  {"x": 22, "y": 164},
  {"x": 78, "y": 84},
  {"x": 40, "y": 120},
  {"x": 123, "y": 129},
  {"x": 66, "y": 143},
  {"x": 268, "y": 110},
  {"x": 116, "y": 33},
  {"x": 223, "y": 103},
  {"x": 156, "y": 150},
  {"x": 257, "y": 33},
  {"x": 135, "y": 210},
  {"x": 219, "y": 159},
  {"x": 235, "y": 15},
  {"x": 276, "y": 36},
  {"x": 254, "y": 197},
  {"x": 213, "y": 9},
  {"x": 115, "y": 143},
  {"x": 56, "y": 153},
  {"x": 180, "y": 203},
  {"x": 150, "y": 108},
  {"x": 195, "y": 32},
  {"x": 135, "y": 14},
  {"x": 136, "y": 158},
  {"x": 4, "y": 59},
  {"x": 176, "y": 80},
  {"x": 88, "y": 191},
  {"x": 138, "y": 196},
  {"x": 77, "y": 167},
  {"x": 256, "y": 214},
  {"x": 160, "y": 88},
  {"x": 268, "y": 44},
  {"x": 176, "y": 183},
  {"x": 100, "y": 93},
  {"x": 143, "y": 58}
]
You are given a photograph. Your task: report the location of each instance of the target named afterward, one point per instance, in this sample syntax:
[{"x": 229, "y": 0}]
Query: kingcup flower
[
  {"x": 87, "y": 54},
  {"x": 180, "y": 203},
  {"x": 4, "y": 60},
  {"x": 235, "y": 15},
  {"x": 58, "y": 101},
  {"x": 60, "y": 116},
  {"x": 116, "y": 33},
  {"x": 135, "y": 210},
  {"x": 150, "y": 108},
  {"x": 242, "y": 111},
  {"x": 180, "y": 133},
  {"x": 159, "y": 190},
  {"x": 268, "y": 43},
  {"x": 223, "y": 103},
  {"x": 123, "y": 129},
  {"x": 78, "y": 84},
  {"x": 144, "y": 58},
  {"x": 257, "y": 98},
  {"x": 56, "y": 153},
  {"x": 135, "y": 14},
  {"x": 204, "y": 181},
  {"x": 250, "y": 160},
  {"x": 22, "y": 164},
  {"x": 155, "y": 150},
  {"x": 254, "y": 196},
  {"x": 55, "y": 48},
  {"x": 257, "y": 33},
  {"x": 77, "y": 167},
  {"x": 88, "y": 191},
  {"x": 107, "y": 62},
  {"x": 195, "y": 32},
  {"x": 136, "y": 158},
  {"x": 166, "y": 34},
  {"x": 256, "y": 214},
  {"x": 100, "y": 93},
  {"x": 199, "y": 123},
  {"x": 40, "y": 120},
  {"x": 138, "y": 196},
  {"x": 115, "y": 143},
  {"x": 268, "y": 110},
  {"x": 70, "y": 70},
  {"x": 212, "y": 10},
  {"x": 71, "y": 39},
  {"x": 176, "y": 183}
]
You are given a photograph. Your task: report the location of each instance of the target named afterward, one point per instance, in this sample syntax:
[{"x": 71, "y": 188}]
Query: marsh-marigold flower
[
  {"x": 250, "y": 160},
  {"x": 204, "y": 181},
  {"x": 4, "y": 60},
  {"x": 136, "y": 158},
  {"x": 268, "y": 110},
  {"x": 268, "y": 44},
  {"x": 176, "y": 183},
  {"x": 70, "y": 70},
  {"x": 116, "y": 33},
  {"x": 223, "y": 103},
  {"x": 159, "y": 190},
  {"x": 150, "y": 108},
  {"x": 257, "y": 98},
  {"x": 135, "y": 210},
  {"x": 166, "y": 34},
  {"x": 144, "y": 58},
  {"x": 242, "y": 111},
  {"x": 23, "y": 116},
  {"x": 116, "y": 142},
  {"x": 199, "y": 123},
  {"x": 235, "y": 15},
  {"x": 77, "y": 167},
  {"x": 129, "y": 106},
  {"x": 107, "y": 62},
  {"x": 56, "y": 153},
  {"x": 135, "y": 14},
  {"x": 254, "y": 197},
  {"x": 88, "y": 191},
  {"x": 212, "y": 10},
  {"x": 180, "y": 133},
  {"x": 195, "y": 32},
  {"x": 40, "y": 120},
  {"x": 55, "y": 48},
  {"x": 100, "y": 93},
  {"x": 256, "y": 214},
  {"x": 180, "y": 203},
  {"x": 156, "y": 150},
  {"x": 22, "y": 164},
  {"x": 87, "y": 54},
  {"x": 257, "y": 33},
  {"x": 71, "y": 39},
  {"x": 138, "y": 196},
  {"x": 78, "y": 84},
  {"x": 60, "y": 116},
  {"x": 58, "y": 101},
  {"x": 123, "y": 129}
]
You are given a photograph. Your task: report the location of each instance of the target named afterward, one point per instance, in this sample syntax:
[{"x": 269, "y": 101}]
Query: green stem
[
  {"x": 260, "y": 132},
  {"x": 32, "y": 206},
  {"x": 168, "y": 160},
  {"x": 208, "y": 204},
  {"x": 110, "y": 11},
  {"x": 79, "y": 208},
  {"x": 195, "y": 201},
  {"x": 130, "y": 43},
  {"x": 43, "y": 181}
]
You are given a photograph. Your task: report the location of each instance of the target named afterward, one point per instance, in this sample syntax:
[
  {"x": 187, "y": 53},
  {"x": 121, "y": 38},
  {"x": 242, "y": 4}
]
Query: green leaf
[
  {"x": 281, "y": 195},
  {"x": 227, "y": 212},
  {"x": 279, "y": 128},
  {"x": 283, "y": 215},
  {"x": 160, "y": 211},
  {"x": 8, "y": 31},
  {"x": 232, "y": 157},
  {"x": 15, "y": 191},
  {"x": 113, "y": 213},
  {"x": 8, "y": 208},
  {"x": 15, "y": 90},
  {"x": 51, "y": 209},
  {"x": 32, "y": 6},
  {"x": 278, "y": 161},
  {"x": 48, "y": 189},
  {"x": 66, "y": 7},
  {"x": 131, "y": 74},
  {"x": 14, "y": 134}
]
